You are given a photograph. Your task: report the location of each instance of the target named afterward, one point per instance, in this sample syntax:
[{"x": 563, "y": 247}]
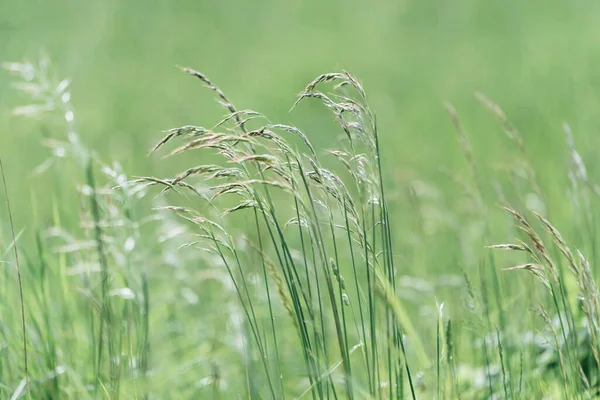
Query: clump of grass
[
  {"x": 107, "y": 225},
  {"x": 547, "y": 271},
  {"x": 272, "y": 268},
  {"x": 330, "y": 240}
]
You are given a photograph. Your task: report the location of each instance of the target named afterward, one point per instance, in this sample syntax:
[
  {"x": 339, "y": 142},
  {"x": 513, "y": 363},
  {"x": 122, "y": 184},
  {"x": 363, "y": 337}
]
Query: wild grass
[
  {"x": 271, "y": 268},
  {"x": 25, "y": 382},
  {"x": 334, "y": 317}
]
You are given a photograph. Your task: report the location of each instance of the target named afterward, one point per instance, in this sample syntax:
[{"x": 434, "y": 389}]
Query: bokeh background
[{"x": 539, "y": 60}]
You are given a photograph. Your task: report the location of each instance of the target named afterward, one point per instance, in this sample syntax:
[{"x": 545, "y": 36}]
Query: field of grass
[{"x": 422, "y": 226}]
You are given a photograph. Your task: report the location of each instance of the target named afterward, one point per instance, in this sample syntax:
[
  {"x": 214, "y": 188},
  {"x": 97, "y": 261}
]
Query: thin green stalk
[
  {"x": 372, "y": 290},
  {"x": 303, "y": 331},
  {"x": 105, "y": 311},
  {"x": 500, "y": 353},
  {"x": 20, "y": 280},
  {"x": 328, "y": 281},
  {"x": 406, "y": 366},
  {"x": 438, "y": 360},
  {"x": 450, "y": 357},
  {"x": 145, "y": 348},
  {"x": 271, "y": 316},
  {"x": 565, "y": 339},
  {"x": 253, "y": 328},
  {"x": 51, "y": 353},
  {"x": 343, "y": 312},
  {"x": 486, "y": 307},
  {"x": 358, "y": 296}
]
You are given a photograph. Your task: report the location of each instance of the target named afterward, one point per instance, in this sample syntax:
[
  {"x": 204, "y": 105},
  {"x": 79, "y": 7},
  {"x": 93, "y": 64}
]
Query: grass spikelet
[
  {"x": 510, "y": 130},
  {"x": 187, "y": 130}
]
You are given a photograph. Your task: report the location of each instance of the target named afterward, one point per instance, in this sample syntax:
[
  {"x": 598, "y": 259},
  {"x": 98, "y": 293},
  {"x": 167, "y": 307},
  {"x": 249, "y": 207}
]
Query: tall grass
[
  {"x": 25, "y": 381},
  {"x": 274, "y": 269},
  {"x": 310, "y": 222},
  {"x": 108, "y": 232}
]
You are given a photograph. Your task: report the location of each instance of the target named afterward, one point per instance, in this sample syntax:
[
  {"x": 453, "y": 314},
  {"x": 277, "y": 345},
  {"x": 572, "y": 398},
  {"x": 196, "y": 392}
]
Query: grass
[
  {"x": 20, "y": 280},
  {"x": 270, "y": 268},
  {"x": 127, "y": 292}
]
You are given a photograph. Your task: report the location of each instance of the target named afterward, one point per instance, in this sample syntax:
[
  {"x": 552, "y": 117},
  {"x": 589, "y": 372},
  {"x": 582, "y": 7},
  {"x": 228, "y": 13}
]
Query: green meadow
[{"x": 299, "y": 200}]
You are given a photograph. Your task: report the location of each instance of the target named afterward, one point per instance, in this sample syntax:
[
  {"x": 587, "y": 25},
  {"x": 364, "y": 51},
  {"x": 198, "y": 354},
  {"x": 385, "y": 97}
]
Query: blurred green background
[{"x": 539, "y": 60}]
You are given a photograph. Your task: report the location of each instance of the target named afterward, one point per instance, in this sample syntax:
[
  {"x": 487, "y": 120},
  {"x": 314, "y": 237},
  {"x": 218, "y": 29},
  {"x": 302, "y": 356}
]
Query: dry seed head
[
  {"x": 325, "y": 78},
  {"x": 495, "y": 108},
  {"x": 198, "y": 75},
  {"x": 198, "y": 170},
  {"x": 190, "y": 188},
  {"x": 509, "y": 129},
  {"x": 203, "y": 221},
  {"x": 525, "y": 246},
  {"x": 210, "y": 140},
  {"x": 345, "y": 79},
  {"x": 261, "y": 132},
  {"x": 553, "y": 231},
  {"x": 168, "y": 185},
  {"x": 315, "y": 176},
  {"x": 316, "y": 95},
  {"x": 296, "y": 131},
  {"x": 465, "y": 143},
  {"x": 279, "y": 283},
  {"x": 351, "y": 80},
  {"x": 535, "y": 239},
  {"x": 228, "y": 173},
  {"x": 190, "y": 244},
  {"x": 560, "y": 243},
  {"x": 243, "y": 205},
  {"x": 517, "y": 216},
  {"x": 528, "y": 267},
  {"x": 187, "y": 130},
  {"x": 536, "y": 270},
  {"x": 265, "y": 159},
  {"x": 528, "y": 230},
  {"x": 516, "y": 247},
  {"x": 295, "y": 221},
  {"x": 230, "y": 188},
  {"x": 216, "y": 241},
  {"x": 245, "y": 187},
  {"x": 178, "y": 209},
  {"x": 237, "y": 115},
  {"x": 343, "y": 158},
  {"x": 585, "y": 266},
  {"x": 155, "y": 181}
]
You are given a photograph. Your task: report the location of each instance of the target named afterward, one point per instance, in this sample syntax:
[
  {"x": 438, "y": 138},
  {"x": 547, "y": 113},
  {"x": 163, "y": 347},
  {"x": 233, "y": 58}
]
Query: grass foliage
[{"x": 270, "y": 268}]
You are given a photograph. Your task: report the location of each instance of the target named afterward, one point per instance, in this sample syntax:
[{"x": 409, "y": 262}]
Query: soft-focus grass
[
  {"x": 533, "y": 58},
  {"x": 536, "y": 60}
]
